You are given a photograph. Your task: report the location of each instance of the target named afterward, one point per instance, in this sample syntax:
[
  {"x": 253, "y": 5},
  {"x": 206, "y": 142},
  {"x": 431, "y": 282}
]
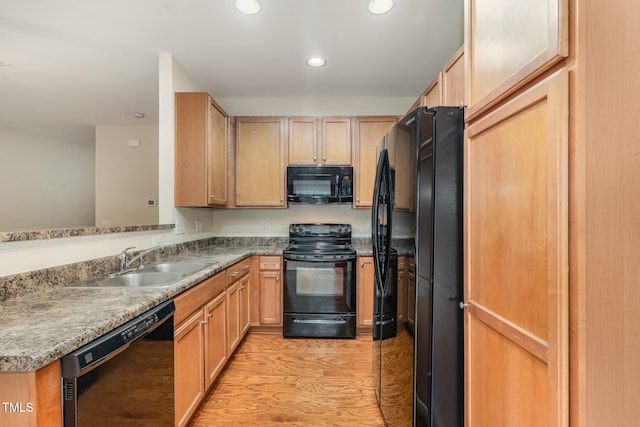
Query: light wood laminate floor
[{"x": 271, "y": 380}]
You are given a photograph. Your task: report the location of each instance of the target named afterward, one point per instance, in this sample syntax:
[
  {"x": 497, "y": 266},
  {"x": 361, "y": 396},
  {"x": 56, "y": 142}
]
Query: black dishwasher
[{"x": 125, "y": 377}]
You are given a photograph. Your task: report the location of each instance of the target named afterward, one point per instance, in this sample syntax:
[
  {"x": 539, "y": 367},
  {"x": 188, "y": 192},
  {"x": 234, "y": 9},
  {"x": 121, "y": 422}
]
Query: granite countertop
[{"x": 40, "y": 327}]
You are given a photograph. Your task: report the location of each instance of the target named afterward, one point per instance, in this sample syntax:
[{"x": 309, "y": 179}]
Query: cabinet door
[
  {"x": 365, "y": 292},
  {"x": 217, "y": 165},
  {"x": 453, "y": 80},
  {"x": 516, "y": 234},
  {"x": 260, "y": 161},
  {"x": 369, "y": 131},
  {"x": 335, "y": 141},
  {"x": 270, "y": 298},
  {"x": 244, "y": 298},
  {"x": 201, "y": 129},
  {"x": 215, "y": 338},
  {"x": 188, "y": 367},
  {"x": 233, "y": 316},
  {"x": 508, "y": 44},
  {"x": 191, "y": 128},
  {"x": 432, "y": 96},
  {"x": 303, "y": 141}
]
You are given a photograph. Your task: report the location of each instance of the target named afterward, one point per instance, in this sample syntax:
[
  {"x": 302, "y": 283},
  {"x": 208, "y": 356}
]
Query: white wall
[
  {"x": 45, "y": 181},
  {"x": 126, "y": 176}
]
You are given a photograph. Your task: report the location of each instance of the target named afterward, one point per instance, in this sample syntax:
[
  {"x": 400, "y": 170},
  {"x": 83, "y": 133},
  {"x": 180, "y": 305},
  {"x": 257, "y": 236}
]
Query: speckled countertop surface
[{"x": 40, "y": 327}]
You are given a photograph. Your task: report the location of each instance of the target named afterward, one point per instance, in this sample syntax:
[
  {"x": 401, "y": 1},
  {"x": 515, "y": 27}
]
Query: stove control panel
[{"x": 320, "y": 230}]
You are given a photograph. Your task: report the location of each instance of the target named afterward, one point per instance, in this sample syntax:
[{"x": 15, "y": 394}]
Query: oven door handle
[{"x": 338, "y": 321}]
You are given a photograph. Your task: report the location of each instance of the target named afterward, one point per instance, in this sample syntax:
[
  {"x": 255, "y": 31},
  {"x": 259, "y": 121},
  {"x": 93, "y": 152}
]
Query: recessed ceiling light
[
  {"x": 378, "y": 7},
  {"x": 316, "y": 62},
  {"x": 248, "y": 7}
]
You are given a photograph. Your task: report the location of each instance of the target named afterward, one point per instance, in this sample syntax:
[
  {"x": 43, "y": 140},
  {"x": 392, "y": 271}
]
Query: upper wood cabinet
[
  {"x": 508, "y": 44},
  {"x": 320, "y": 141},
  {"x": 453, "y": 80},
  {"x": 432, "y": 96},
  {"x": 368, "y": 132},
  {"x": 201, "y": 138},
  {"x": 260, "y": 151}
]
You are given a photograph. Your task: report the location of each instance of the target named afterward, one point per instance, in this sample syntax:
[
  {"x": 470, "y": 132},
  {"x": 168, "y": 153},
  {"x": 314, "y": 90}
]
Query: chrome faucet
[{"x": 125, "y": 262}]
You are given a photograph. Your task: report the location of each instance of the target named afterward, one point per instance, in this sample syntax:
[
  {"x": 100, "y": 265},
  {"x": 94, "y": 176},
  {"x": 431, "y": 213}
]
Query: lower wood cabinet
[
  {"x": 238, "y": 311},
  {"x": 37, "y": 392},
  {"x": 215, "y": 338},
  {"x": 270, "y": 291},
  {"x": 200, "y": 348},
  {"x": 189, "y": 367},
  {"x": 365, "y": 293}
]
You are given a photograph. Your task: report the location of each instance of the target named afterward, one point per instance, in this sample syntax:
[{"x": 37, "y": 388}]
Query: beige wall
[
  {"x": 46, "y": 181},
  {"x": 126, "y": 176}
]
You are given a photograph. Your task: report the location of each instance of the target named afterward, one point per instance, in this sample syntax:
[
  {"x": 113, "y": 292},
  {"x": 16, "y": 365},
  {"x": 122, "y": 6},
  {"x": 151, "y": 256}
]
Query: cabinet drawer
[
  {"x": 238, "y": 270},
  {"x": 194, "y": 298},
  {"x": 269, "y": 263}
]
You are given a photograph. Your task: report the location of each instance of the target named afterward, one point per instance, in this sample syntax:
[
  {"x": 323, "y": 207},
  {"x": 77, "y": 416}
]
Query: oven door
[{"x": 319, "y": 285}]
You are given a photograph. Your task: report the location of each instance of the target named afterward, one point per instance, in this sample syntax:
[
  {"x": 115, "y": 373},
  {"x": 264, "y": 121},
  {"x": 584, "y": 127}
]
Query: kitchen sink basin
[
  {"x": 158, "y": 275},
  {"x": 185, "y": 267},
  {"x": 136, "y": 279}
]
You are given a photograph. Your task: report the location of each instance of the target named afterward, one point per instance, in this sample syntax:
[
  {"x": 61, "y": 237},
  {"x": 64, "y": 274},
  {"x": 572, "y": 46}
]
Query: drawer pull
[{"x": 235, "y": 273}]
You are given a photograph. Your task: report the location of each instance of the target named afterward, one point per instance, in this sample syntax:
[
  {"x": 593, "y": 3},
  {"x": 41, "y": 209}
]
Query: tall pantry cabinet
[
  {"x": 516, "y": 214},
  {"x": 552, "y": 200}
]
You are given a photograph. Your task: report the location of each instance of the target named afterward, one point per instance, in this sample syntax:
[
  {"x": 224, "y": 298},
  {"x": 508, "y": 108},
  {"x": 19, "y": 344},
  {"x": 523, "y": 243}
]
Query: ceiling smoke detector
[
  {"x": 378, "y": 7},
  {"x": 248, "y": 7}
]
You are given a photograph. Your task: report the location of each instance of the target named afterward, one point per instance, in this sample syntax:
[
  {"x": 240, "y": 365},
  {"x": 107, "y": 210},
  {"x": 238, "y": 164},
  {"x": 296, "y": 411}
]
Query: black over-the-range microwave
[{"x": 319, "y": 184}]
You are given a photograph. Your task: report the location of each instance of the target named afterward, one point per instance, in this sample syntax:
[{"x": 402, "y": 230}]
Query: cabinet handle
[
  {"x": 358, "y": 200},
  {"x": 235, "y": 273},
  {"x": 277, "y": 279},
  {"x": 241, "y": 288},
  {"x": 212, "y": 197},
  {"x": 315, "y": 158},
  {"x": 204, "y": 322},
  {"x": 324, "y": 158},
  {"x": 246, "y": 267},
  {"x": 362, "y": 264},
  {"x": 210, "y": 315}
]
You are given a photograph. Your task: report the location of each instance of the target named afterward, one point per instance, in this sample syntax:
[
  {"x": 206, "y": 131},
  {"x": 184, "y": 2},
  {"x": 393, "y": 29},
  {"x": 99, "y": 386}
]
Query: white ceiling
[{"x": 80, "y": 63}]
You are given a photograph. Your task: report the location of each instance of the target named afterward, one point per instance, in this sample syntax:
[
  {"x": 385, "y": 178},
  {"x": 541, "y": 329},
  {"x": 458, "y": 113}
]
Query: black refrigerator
[{"x": 418, "y": 369}]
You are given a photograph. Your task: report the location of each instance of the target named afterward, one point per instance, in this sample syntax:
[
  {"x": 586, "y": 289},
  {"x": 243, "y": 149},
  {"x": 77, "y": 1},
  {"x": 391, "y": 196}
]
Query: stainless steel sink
[
  {"x": 158, "y": 275},
  {"x": 186, "y": 267}
]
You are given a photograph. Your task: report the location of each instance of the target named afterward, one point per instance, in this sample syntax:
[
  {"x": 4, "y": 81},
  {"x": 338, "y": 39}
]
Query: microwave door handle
[{"x": 314, "y": 175}]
